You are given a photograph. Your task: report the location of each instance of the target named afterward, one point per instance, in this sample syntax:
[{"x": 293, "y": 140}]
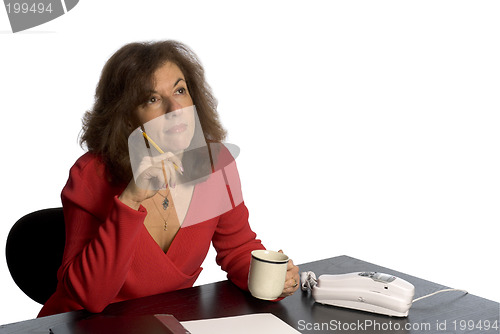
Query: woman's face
[{"x": 170, "y": 110}]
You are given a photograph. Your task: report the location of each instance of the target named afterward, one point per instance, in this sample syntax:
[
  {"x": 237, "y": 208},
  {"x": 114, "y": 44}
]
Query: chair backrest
[{"x": 34, "y": 252}]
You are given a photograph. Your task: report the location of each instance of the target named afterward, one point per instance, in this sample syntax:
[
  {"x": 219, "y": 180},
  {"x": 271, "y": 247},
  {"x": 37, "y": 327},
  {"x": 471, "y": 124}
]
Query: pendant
[
  {"x": 165, "y": 226},
  {"x": 165, "y": 203}
]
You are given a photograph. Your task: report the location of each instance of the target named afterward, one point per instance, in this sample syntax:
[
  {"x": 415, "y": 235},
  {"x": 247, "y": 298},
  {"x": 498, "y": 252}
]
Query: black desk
[{"x": 449, "y": 312}]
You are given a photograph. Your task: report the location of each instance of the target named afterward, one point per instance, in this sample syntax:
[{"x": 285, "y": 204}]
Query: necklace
[
  {"x": 165, "y": 205},
  {"x": 165, "y": 202}
]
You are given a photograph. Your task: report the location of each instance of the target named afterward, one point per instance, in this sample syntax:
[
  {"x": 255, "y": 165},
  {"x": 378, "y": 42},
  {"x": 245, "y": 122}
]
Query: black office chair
[{"x": 34, "y": 252}]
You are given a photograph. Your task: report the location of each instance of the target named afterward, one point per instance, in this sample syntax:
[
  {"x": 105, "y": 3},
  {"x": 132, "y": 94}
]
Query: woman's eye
[
  {"x": 181, "y": 90},
  {"x": 153, "y": 99}
]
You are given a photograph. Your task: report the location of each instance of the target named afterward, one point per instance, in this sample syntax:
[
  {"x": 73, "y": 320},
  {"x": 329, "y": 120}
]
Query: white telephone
[{"x": 366, "y": 291}]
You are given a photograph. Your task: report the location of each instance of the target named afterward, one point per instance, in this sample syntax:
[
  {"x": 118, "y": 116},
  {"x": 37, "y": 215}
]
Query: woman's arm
[
  {"x": 101, "y": 237},
  {"x": 234, "y": 240}
]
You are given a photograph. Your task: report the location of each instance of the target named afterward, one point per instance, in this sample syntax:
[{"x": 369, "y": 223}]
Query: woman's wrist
[{"x": 129, "y": 201}]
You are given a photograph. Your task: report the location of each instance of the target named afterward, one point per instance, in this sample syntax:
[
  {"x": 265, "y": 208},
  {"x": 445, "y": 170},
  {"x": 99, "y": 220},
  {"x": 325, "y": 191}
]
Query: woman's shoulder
[
  {"x": 86, "y": 160},
  {"x": 90, "y": 169},
  {"x": 88, "y": 181},
  {"x": 89, "y": 165}
]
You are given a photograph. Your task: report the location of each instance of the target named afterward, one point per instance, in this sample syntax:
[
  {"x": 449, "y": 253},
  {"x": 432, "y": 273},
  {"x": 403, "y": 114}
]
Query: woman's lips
[{"x": 177, "y": 128}]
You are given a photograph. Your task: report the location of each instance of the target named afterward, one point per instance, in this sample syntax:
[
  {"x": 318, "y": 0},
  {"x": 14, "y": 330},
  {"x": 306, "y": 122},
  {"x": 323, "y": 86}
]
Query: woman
[{"x": 123, "y": 225}]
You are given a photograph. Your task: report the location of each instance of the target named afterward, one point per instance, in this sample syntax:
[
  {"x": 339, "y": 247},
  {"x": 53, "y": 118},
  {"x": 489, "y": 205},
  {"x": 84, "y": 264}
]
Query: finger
[
  {"x": 294, "y": 269},
  {"x": 150, "y": 179},
  {"x": 291, "y": 283},
  {"x": 171, "y": 159},
  {"x": 146, "y": 162},
  {"x": 150, "y": 174},
  {"x": 290, "y": 287},
  {"x": 167, "y": 169},
  {"x": 177, "y": 164},
  {"x": 146, "y": 185},
  {"x": 292, "y": 279},
  {"x": 296, "y": 278},
  {"x": 164, "y": 156},
  {"x": 172, "y": 176}
]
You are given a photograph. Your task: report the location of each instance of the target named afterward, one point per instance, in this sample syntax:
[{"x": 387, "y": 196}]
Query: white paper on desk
[{"x": 261, "y": 323}]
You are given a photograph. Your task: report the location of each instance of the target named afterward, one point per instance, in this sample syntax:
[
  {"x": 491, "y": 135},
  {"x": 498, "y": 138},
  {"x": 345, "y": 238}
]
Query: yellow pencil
[{"x": 157, "y": 147}]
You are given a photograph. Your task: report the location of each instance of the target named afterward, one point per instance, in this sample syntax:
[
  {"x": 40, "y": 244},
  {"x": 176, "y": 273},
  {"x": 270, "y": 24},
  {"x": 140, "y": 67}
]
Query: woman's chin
[
  {"x": 176, "y": 142},
  {"x": 178, "y": 146}
]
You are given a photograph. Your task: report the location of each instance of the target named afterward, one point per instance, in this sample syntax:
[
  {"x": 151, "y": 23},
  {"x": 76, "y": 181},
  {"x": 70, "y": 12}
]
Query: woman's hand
[
  {"x": 292, "y": 280},
  {"x": 153, "y": 174}
]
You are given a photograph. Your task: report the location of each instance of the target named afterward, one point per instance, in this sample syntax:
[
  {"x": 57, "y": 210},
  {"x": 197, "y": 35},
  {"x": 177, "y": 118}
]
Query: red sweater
[{"x": 110, "y": 256}]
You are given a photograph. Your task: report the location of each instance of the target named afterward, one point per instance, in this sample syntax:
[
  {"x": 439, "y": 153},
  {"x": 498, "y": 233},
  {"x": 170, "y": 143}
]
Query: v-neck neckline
[{"x": 176, "y": 236}]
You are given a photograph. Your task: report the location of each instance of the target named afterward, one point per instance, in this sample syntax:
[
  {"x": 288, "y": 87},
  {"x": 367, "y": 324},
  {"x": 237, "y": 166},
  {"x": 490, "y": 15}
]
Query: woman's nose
[{"x": 173, "y": 108}]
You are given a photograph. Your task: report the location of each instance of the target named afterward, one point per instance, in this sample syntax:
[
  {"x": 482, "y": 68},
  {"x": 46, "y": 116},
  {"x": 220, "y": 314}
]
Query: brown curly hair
[{"x": 126, "y": 82}]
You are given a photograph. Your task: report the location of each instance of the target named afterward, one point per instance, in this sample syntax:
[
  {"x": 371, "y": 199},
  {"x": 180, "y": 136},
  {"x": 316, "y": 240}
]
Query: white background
[{"x": 366, "y": 128}]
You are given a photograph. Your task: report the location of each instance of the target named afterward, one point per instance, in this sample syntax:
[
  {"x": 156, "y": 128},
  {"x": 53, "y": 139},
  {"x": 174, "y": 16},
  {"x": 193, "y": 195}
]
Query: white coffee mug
[{"x": 266, "y": 278}]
